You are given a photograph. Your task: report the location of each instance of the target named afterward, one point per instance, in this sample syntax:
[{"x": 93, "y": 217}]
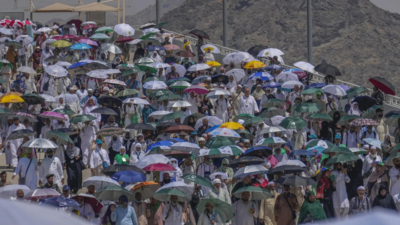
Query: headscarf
[
  {"x": 353, "y": 110},
  {"x": 138, "y": 145},
  {"x": 107, "y": 216},
  {"x": 11, "y": 54},
  {"x": 146, "y": 113},
  {"x": 312, "y": 208},
  {"x": 116, "y": 144},
  {"x": 223, "y": 168},
  {"x": 156, "y": 58},
  {"x": 72, "y": 152},
  {"x": 191, "y": 124},
  {"x": 115, "y": 60}
]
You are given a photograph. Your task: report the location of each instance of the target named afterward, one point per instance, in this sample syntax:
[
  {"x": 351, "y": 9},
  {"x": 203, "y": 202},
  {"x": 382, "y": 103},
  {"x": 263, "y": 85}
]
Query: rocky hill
[{"x": 361, "y": 39}]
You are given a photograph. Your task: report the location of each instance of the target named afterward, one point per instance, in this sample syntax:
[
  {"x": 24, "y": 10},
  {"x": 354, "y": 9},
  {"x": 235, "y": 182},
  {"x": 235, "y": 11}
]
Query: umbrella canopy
[
  {"x": 91, "y": 200},
  {"x": 256, "y": 193},
  {"x": 384, "y": 85},
  {"x": 232, "y": 125},
  {"x": 307, "y": 107},
  {"x": 83, "y": 45},
  {"x": 40, "y": 143},
  {"x": 59, "y": 202},
  {"x": 365, "y": 102},
  {"x": 254, "y": 65},
  {"x": 225, "y": 132},
  {"x": 61, "y": 138},
  {"x": 33, "y": 99},
  {"x": 319, "y": 117},
  {"x": 372, "y": 141},
  {"x": 327, "y": 69},
  {"x": 112, "y": 193},
  {"x": 56, "y": 71},
  {"x": 41, "y": 194},
  {"x": 165, "y": 195},
  {"x": 222, "y": 208},
  {"x": 23, "y": 116},
  {"x": 199, "y": 180},
  {"x": 271, "y": 141},
  {"x": 104, "y": 111},
  {"x": 181, "y": 186},
  {"x": 298, "y": 181},
  {"x": 140, "y": 126},
  {"x": 346, "y": 119},
  {"x": 341, "y": 158},
  {"x": 53, "y": 116},
  {"x": 185, "y": 146},
  {"x": 99, "y": 182},
  {"x": 355, "y": 91},
  {"x": 270, "y": 52},
  {"x": 151, "y": 159},
  {"x": 288, "y": 166},
  {"x": 110, "y": 131},
  {"x": 339, "y": 150},
  {"x": 129, "y": 176},
  {"x": 217, "y": 142},
  {"x": 147, "y": 189},
  {"x": 81, "y": 118},
  {"x": 17, "y": 134},
  {"x": 325, "y": 144},
  {"x": 179, "y": 128},
  {"x": 246, "y": 160},
  {"x": 364, "y": 122},
  {"x": 306, "y": 66},
  {"x": 159, "y": 167},
  {"x": 111, "y": 48},
  {"x": 293, "y": 122},
  {"x": 9, "y": 191},
  {"x": 238, "y": 74},
  {"x": 250, "y": 170},
  {"x": 11, "y": 99},
  {"x": 124, "y": 29},
  {"x": 110, "y": 170},
  {"x": 61, "y": 44},
  {"x": 334, "y": 90},
  {"x": 388, "y": 162},
  {"x": 199, "y": 33},
  {"x": 26, "y": 69}
]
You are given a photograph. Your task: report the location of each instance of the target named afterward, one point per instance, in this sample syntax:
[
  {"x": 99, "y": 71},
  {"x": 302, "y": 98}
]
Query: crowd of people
[{"x": 175, "y": 137}]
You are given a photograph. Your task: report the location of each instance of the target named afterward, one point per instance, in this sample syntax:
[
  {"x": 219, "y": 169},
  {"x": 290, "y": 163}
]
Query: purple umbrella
[
  {"x": 53, "y": 116},
  {"x": 88, "y": 42},
  {"x": 22, "y": 116}
]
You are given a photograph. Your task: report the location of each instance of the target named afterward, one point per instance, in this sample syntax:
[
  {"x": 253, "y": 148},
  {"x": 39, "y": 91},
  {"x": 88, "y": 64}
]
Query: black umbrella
[
  {"x": 327, "y": 69},
  {"x": 298, "y": 181},
  {"x": 20, "y": 134},
  {"x": 392, "y": 113},
  {"x": 167, "y": 124},
  {"x": 104, "y": 111},
  {"x": 33, "y": 99},
  {"x": 287, "y": 169},
  {"x": 66, "y": 131},
  {"x": 110, "y": 170},
  {"x": 256, "y": 49},
  {"x": 200, "y": 33},
  {"x": 215, "y": 78},
  {"x": 384, "y": 85},
  {"x": 95, "y": 66},
  {"x": 67, "y": 26},
  {"x": 110, "y": 100},
  {"x": 54, "y": 59},
  {"x": 365, "y": 102},
  {"x": 141, "y": 126},
  {"x": 185, "y": 54},
  {"x": 247, "y": 160}
]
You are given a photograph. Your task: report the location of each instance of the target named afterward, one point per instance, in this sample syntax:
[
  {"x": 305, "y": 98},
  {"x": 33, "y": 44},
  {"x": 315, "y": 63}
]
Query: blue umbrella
[
  {"x": 80, "y": 46},
  {"x": 264, "y": 76},
  {"x": 315, "y": 85},
  {"x": 199, "y": 80},
  {"x": 271, "y": 85},
  {"x": 293, "y": 70},
  {"x": 155, "y": 48},
  {"x": 160, "y": 143},
  {"x": 59, "y": 202},
  {"x": 304, "y": 152},
  {"x": 76, "y": 65},
  {"x": 317, "y": 149},
  {"x": 175, "y": 140},
  {"x": 128, "y": 176},
  {"x": 257, "y": 148},
  {"x": 274, "y": 67},
  {"x": 212, "y": 128}
]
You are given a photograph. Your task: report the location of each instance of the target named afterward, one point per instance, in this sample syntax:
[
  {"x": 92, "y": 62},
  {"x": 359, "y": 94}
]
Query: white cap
[
  {"x": 202, "y": 139},
  {"x": 216, "y": 181},
  {"x": 361, "y": 188}
]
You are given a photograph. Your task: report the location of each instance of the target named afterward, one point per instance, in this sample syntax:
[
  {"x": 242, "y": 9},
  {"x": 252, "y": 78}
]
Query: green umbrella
[
  {"x": 2, "y": 80},
  {"x": 253, "y": 120},
  {"x": 161, "y": 24},
  {"x": 112, "y": 193},
  {"x": 104, "y": 30},
  {"x": 196, "y": 116},
  {"x": 222, "y": 208},
  {"x": 341, "y": 158},
  {"x": 165, "y": 195},
  {"x": 33, "y": 99},
  {"x": 389, "y": 160},
  {"x": 199, "y": 180},
  {"x": 371, "y": 112},
  {"x": 271, "y": 112},
  {"x": 180, "y": 85},
  {"x": 153, "y": 79},
  {"x": 127, "y": 92},
  {"x": 395, "y": 149},
  {"x": 159, "y": 93},
  {"x": 245, "y": 134},
  {"x": 6, "y": 63},
  {"x": 147, "y": 36},
  {"x": 319, "y": 117},
  {"x": 271, "y": 141},
  {"x": 61, "y": 138},
  {"x": 354, "y": 91},
  {"x": 312, "y": 91},
  {"x": 144, "y": 60},
  {"x": 307, "y": 107},
  {"x": 99, "y": 36},
  {"x": 318, "y": 142},
  {"x": 81, "y": 118},
  {"x": 127, "y": 72},
  {"x": 242, "y": 117},
  {"x": 346, "y": 119},
  {"x": 220, "y": 141},
  {"x": 16, "y": 45},
  {"x": 65, "y": 111},
  {"x": 293, "y": 122},
  {"x": 172, "y": 97},
  {"x": 273, "y": 103},
  {"x": 171, "y": 81},
  {"x": 393, "y": 121},
  {"x": 337, "y": 149},
  {"x": 257, "y": 193},
  {"x": 172, "y": 116},
  {"x": 236, "y": 150},
  {"x": 214, "y": 153},
  {"x": 146, "y": 67},
  {"x": 111, "y": 131},
  {"x": 4, "y": 111}
]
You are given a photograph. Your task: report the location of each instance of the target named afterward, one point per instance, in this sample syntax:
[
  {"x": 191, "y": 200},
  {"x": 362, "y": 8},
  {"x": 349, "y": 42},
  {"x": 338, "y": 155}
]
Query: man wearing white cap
[
  {"x": 368, "y": 160},
  {"x": 394, "y": 174},
  {"x": 236, "y": 96},
  {"x": 16, "y": 126},
  {"x": 245, "y": 209},
  {"x": 219, "y": 192},
  {"x": 247, "y": 104},
  {"x": 360, "y": 203},
  {"x": 267, "y": 215},
  {"x": 51, "y": 165}
]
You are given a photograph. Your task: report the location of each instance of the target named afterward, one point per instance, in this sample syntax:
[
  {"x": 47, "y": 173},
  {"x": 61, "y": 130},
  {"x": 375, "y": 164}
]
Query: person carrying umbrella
[
  {"x": 51, "y": 165},
  {"x": 172, "y": 213},
  {"x": 286, "y": 207},
  {"x": 246, "y": 209},
  {"x": 378, "y": 95},
  {"x": 98, "y": 158},
  {"x": 85, "y": 209},
  {"x": 219, "y": 192},
  {"x": 266, "y": 211},
  {"x": 209, "y": 216},
  {"x": 122, "y": 158}
]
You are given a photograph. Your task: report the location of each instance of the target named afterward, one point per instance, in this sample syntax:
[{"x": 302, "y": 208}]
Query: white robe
[
  {"x": 339, "y": 196},
  {"x": 241, "y": 208},
  {"x": 45, "y": 129},
  {"x": 175, "y": 217},
  {"x": 351, "y": 139},
  {"x": 16, "y": 142},
  {"x": 88, "y": 134},
  {"x": 11, "y": 155},
  {"x": 51, "y": 166},
  {"x": 45, "y": 54},
  {"x": 247, "y": 105},
  {"x": 62, "y": 85},
  {"x": 292, "y": 96},
  {"x": 135, "y": 157},
  {"x": 50, "y": 90},
  {"x": 30, "y": 175},
  {"x": 195, "y": 104},
  {"x": 30, "y": 85},
  {"x": 395, "y": 181},
  {"x": 59, "y": 153},
  {"x": 221, "y": 109},
  {"x": 86, "y": 210},
  {"x": 223, "y": 195},
  {"x": 87, "y": 111},
  {"x": 129, "y": 113},
  {"x": 81, "y": 93},
  {"x": 95, "y": 159},
  {"x": 204, "y": 220}
]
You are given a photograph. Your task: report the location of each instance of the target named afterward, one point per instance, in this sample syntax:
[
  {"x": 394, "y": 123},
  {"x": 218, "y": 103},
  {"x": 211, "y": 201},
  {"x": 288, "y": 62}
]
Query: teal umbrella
[
  {"x": 319, "y": 117},
  {"x": 222, "y": 208},
  {"x": 307, "y": 107},
  {"x": 242, "y": 117},
  {"x": 220, "y": 141},
  {"x": 99, "y": 36},
  {"x": 347, "y": 119},
  {"x": 172, "y": 116},
  {"x": 312, "y": 91},
  {"x": 199, "y": 180},
  {"x": 293, "y": 122}
]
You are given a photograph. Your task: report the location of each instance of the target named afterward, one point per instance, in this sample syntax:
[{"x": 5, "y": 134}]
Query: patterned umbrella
[
  {"x": 111, "y": 131},
  {"x": 22, "y": 116},
  {"x": 115, "y": 81},
  {"x": 364, "y": 122},
  {"x": 53, "y": 116},
  {"x": 171, "y": 47}
]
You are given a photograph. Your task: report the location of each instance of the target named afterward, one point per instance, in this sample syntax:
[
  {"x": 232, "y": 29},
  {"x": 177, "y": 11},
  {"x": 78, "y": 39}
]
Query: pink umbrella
[
  {"x": 159, "y": 167},
  {"x": 57, "y": 37},
  {"x": 89, "y": 26},
  {"x": 41, "y": 194},
  {"x": 68, "y": 36},
  {"x": 114, "y": 81},
  {"x": 22, "y": 116},
  {"x": 53, "y": 116},
  {"x": 196, "y": 89},
  {"x": 171, "y": 47},
  {"x": 88, "y": 42}
]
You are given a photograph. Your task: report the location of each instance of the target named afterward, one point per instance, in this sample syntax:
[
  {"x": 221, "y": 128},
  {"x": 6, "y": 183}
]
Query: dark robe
[{"x": 74, "y": 171}]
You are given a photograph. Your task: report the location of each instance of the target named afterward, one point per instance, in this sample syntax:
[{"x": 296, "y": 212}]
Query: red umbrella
[
  {"x": 179, "y": 128},
  {"x": 124, "y": 39},
  {"x": 91, "y": 200},
  {"x": 5, "y": 21},
  {"x": 384, "y": 85},
  {"x": 89, "y": 26},
  {"x": 364, "y": 122},
  {"x": 16, "y": 23},
  {"x": 27, "y": 22},
  {"x": 68, "y": 36},
  {"x": 159, "y": 167}
]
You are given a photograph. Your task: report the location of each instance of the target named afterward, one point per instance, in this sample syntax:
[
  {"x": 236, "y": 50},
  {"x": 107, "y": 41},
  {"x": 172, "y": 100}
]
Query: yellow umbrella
[
  {"x": 11, "y": 99},
  {"x": 232, "y": 126},
  {"x": 213, "y": 63},
  {"x": 61, "y": 44},
  {"x": 12, "y": 93},
  {"x": 211, "y": 49},
  {"x": 254, "y": 65},
  {"x": 184, "y": 46}
]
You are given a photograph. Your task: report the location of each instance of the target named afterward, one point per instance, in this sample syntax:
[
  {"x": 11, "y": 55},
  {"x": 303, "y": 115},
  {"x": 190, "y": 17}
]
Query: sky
[{"x": 131, "y": 7}]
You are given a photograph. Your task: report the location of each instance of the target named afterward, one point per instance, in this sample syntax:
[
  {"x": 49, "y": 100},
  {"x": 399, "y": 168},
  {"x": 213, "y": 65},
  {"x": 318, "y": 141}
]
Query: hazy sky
[{"x": 131, "y": 7}]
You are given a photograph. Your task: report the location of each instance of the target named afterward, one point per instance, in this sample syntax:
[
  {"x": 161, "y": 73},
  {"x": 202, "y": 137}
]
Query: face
[
  {"x": 29, "y": 155},
  {"x": 166, "y": 176},
  {"x": 4, "y": 177},
  {"x": 217, "y": 185},
  {"x": 122, "y": 151},
  {"x": 373, "y": 150},
  {"x": 16, "y": 122},
  {"x": 174, "y": 199},
  {"x": 383, "y": 192},
  {"x": 245, "y": 196},
  {"x": 361, "y": 192},
  {"x": 271, "y": 187},
  {"x": 246, "y": 179},
  {"x": 20, "y": 194},
  {"x": 138, "y": 196},
  {"x": 80, "y": 200},
  {"x": 311, "y": 198},
  {"x": 209, "y": 207},
  {"x": 247, "y": 92},
  {"x": 296, "y": 88},
  {"x": 286, "y": 188}
]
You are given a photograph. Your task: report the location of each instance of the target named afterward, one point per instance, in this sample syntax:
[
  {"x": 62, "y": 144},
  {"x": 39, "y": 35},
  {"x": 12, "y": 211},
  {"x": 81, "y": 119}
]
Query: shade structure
[
  {"x": 56, "y": 7},
  {"x": 95, "y": 7}
]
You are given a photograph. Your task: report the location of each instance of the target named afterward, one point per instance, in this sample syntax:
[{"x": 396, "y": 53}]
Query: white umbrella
[
  {"x": 247, "y": 57},
  {"x": 100, "y": 182},
  {"x": 179, "y": 185},
  {"x": 290, "y": 84},
  {"x": 224, "y": 176},
  {"x": 88, "y": 22},
  {"x": 306, "y": 66},
  {"x": 109, "y": 47},
  {"x": 3, "y": 39},
  {"x": 154, "y": 85},
  {"x": 158, "y": 114},
  {"x": 40, "y": 143},
  {"x": 25, "y": 38},
  {"x": 286, "y": 76},
  {"x": 137, "y": 101},
  {"x": 10, "y": 191},
  {"x": 334, "y": 90},
  {"x": 214, "y": 48},
  {"x": 234, "y": 57},
  {"x": 124, "y": 29},
  {"x": 250, "y": 170},
  {"x": 217, "y": 92},
  {"x": 68, "y": 98},
  {"x": 270, "y": 52},
  {"x": 158, "y": 65},
  {"x": 26, "y": 69},
  {"x": 290, "y": 162},
  {"x": 272, "y": 129},
  {"x": 151, "y": 30},
  {"x": 212, "y": 121},
  {"x": 276, "y": 140},
  {"x": 198, "y": 67},
  {"x": 238, "y": 74},
  {"x": 63, "y": 64},
  {"x": 24, "y": 213},
  {"x": 147, "y": 25},
  {"x": 179, "y": 104},
  {"x": 48, "y": 41},
  {"x": 112, "y": 71},
  {"x": 56, "y": 71},
  {"x": 6, "y": 31},
  {"x": 151, "y": 159},
  {"x": 181, "y": 70},
  {"x": 98, "y": 74},
  {"x": 375, "y": 216},
  {"x": 276, "y": 120},
  {"x": 213, "y": 153},
  {"x": 225, "y": 132},
  {"x": 185, "y": 146},
  {"x": 48, "y": 98},
  {"x": 180, "y": 83}
]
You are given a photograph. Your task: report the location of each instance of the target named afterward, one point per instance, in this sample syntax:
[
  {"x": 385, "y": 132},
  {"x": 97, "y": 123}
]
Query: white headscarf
[
  {"x": 353, "y": 110},
  {"x": 156, "y": 58}
]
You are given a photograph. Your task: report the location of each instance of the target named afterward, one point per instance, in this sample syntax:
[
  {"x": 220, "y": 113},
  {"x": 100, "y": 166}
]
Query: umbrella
[
  {"x": 238, "y": 74},
  {"x": 374, "y": 142},
  {"x": 147, "y": 189},
  {"x": 270, "y": 52},
  {"x": 54, "y": 59},
  {"x": 217, "y": 142},
  {"x": 225, "y": 132},
  {"x": 38, "y": 194},
  {"x": 345, "y": 119},
  {"x": 99, "y": 182},
  {"x": 53, "y": 116},
  {"x": 212, "y": 121},
  {"x": 319, "y": 117},
  {"x": 288, "y": 166},
  {"x": 271, "y": 141},
  {"x": 264, "y": 76},
  {"x": 185, "y": 146},
  {"x": 91, "y": 200},
  {"x": 272, "y": 129},
  {"x": 104, "y": 30},
  {"x": 384, "y": 85},
  {"x": 112, "y": 169},
  {"x": 124, "y": 29},
  {"x": 165, "y": 195},
  {"x": 127, "y": 92},
  {"x": 256, "y": 49},
  {"x": 26, "y": 69},
  {"x": 151, "y": 159},
  {"x": 56, "y": 71},
  {"x": 217, "y": 92},
  {"x": 222, "y": 208},
  {"x": 327, "y": 69},
  {"x": 59, "y": 202},
  {"x": 338, "y": 150},
  {"x": 40, "y": 143},
  {"x": 61, "y": 138},
  {"x": 179, "y": 128},
  {"x": 5, "y": 112},
  {"x": 250, "y": 170},
  {"x": 304, "y": 152},
  {"x": 388, "y": 162},
  {"x": 124, "y": 39},
  {"x": 273, "y": 103},
  {"x": 393, "y": 121},
  {"x": 293, "y": 122},
  {"x": 213, "y": 63},
  {"x": 60, "y": 44},
  {"x": 129, "y": 176},
  {"x": 95, "y": 65},
  {"x": 22, "y": 116},
  {"x": 112, "y": 193},
  {"x": 371, "y": 112},
  {"x": 115, "y": 82},
  {"x": 179, "y": 104},
  {"x": 67, "y": 131},
  {"x": 364, "y": 122},
  {"x": 307, "y": 107},
  {"x": 171, "y": 47},
  {"x": 234, "y": 57},
  {"x": 154, "y": 85},
  {"x": 99, "y": 36},
  {"x": 180, "y": 85},
  {"x": 232, "y": 149},
  {"x": 186, "y": 54},
  {"x": 110, "y": 100},
  {"x": 287, "y": 76},
  {"x": 325, "y": 144},
  {"x": 11, "y": 99},
  {"x": 196, "y": 89},
  {"x": 81, "y": 118},
  {"x": 109, "y": 47},
  {"x": 9, "y": 191},
  {"x": 291, "y": 84},
  {"x": 160, "y": 145},
  {"x": 140, "y": 126},
  {"x": 172, "y": 116},
  {"x": 246, "y": 160},
  {"x": 341, "y": 158},
  {"x": 110, "y": 131},
  {"x": 198, "y": 67},
  {"x": 298, "y": 181},
  {"x": 257, "y": 193},
  {"x": 271, "y": 112},
  {"x": 354, "y": 91},
  {"x": 210, "y": 47},
  {"x": 159, "y": 167},
  {"x": 199, "y": 33},
  {"x": 83, "y": 45},
  {"x": 306, "y": 66},
  {"x": 334, "y": 90},
  {"x": 181, "y": 186},
  {"x": 365, "y": 102},
  {"x": 104, "y": 111},
  {"x": 200, "y": 181},
  {"x": 255, "y": 64},
  {"x": 232, "y": 125},
  {"x": 159, "y": 114}
]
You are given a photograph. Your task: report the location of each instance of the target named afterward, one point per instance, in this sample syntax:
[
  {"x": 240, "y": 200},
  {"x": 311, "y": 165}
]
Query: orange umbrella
[{"x": 147, "y": 189}]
